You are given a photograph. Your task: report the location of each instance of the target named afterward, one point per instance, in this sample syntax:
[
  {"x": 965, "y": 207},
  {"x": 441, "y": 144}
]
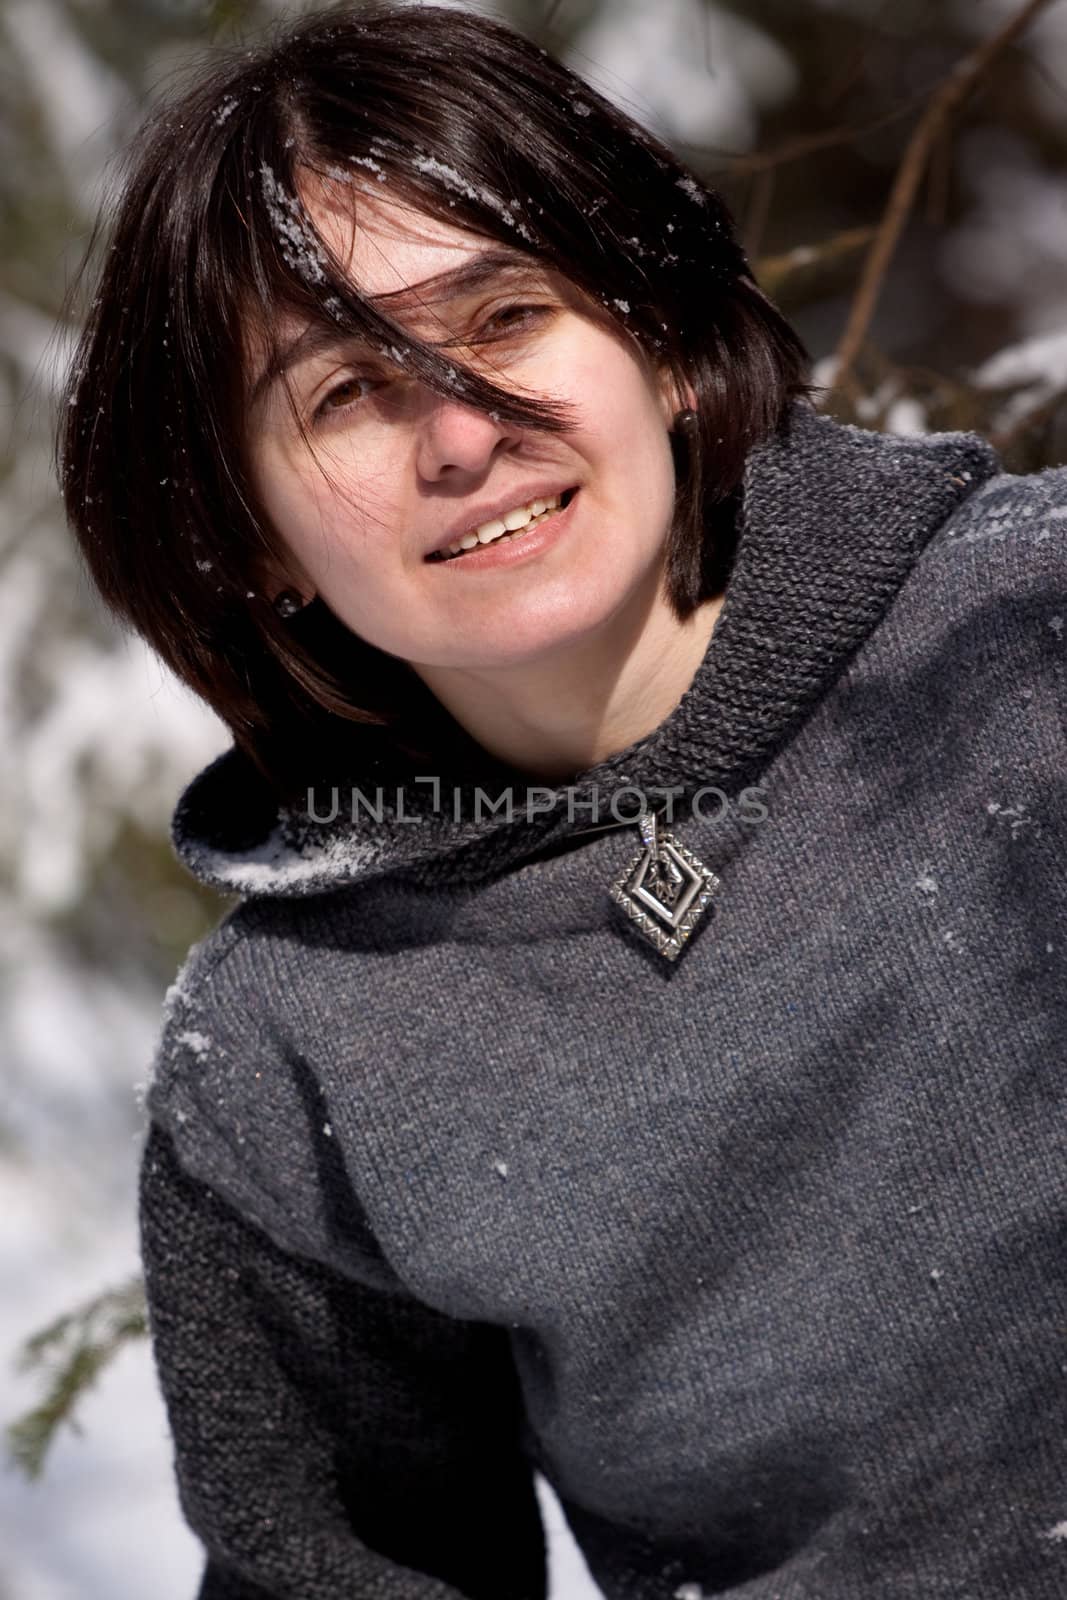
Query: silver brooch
[{"x": 665, "y": 889}]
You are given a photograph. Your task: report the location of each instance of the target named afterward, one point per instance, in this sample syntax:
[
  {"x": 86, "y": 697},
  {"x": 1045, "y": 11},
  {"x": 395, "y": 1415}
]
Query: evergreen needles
[{"x": 72, "y": 1352}]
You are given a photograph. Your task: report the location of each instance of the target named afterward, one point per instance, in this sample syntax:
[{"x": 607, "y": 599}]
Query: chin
[{"x": 538, "y": 638}]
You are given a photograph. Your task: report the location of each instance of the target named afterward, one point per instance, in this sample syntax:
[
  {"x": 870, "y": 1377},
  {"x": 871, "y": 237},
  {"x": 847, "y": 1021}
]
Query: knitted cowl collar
[{"x": 831, "y": 520}]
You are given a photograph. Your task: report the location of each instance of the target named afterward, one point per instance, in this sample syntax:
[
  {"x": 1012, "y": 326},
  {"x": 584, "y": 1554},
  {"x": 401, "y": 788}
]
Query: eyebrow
[{"x": 318, "y": 338}]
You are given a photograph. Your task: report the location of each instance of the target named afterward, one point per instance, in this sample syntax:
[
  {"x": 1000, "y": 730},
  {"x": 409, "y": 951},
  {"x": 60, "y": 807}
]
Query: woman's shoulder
[
  {"x": 1009, "y": 538},
  {"x": 220, "y": 1052},
  {"x": 970, "y": 662},
  {"x": 235, "y": 1083},
  {"x": 220, "y": 990},
  {"x": 990, "y": 584}
]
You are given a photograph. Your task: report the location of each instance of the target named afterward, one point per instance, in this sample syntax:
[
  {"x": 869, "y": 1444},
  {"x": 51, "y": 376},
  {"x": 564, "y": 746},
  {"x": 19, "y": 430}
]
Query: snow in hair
[
  {"x": 455, "y": 180},
  {"x": 299, "y": 246}
]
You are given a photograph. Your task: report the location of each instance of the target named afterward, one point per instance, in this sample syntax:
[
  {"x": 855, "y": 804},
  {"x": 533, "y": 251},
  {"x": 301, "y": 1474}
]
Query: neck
[{"x": 553, "y": 718}]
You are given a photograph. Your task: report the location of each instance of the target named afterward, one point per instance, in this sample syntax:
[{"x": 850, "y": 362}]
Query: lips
[
  {"x": 498, "y": 517},
  {"x": 517, "y": 547}
]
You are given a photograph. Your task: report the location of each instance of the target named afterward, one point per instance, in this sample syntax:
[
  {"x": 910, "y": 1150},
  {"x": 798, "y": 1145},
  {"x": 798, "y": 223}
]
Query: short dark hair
[{"x": 472, "y": 123}]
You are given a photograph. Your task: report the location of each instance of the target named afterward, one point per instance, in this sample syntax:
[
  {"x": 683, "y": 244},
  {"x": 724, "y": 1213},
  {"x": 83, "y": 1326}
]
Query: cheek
[
  {"x": 324, "y": 515},
  {"x": 634, "y": 430},
  {"x": 623, "y": 407}
]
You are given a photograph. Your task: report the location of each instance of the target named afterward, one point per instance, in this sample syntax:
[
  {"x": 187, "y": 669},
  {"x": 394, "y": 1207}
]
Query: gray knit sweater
[{"x": 759, "y": 1255}]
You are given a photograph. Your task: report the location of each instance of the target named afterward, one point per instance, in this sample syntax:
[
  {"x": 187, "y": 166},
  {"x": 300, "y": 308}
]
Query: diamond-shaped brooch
[{"x": 665, "y": 889}]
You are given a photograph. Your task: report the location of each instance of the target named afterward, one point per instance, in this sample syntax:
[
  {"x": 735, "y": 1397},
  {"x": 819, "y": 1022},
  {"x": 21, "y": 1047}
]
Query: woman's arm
[{"x": 332, "y": 1440}]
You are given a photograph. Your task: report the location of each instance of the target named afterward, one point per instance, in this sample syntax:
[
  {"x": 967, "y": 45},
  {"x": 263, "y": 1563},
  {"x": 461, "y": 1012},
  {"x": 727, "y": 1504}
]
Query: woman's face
[{"x": 402, "y": 472}]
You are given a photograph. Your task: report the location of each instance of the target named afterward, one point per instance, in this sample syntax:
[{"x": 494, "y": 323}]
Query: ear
[
  {"x": 274, "y": 576},
  {"x": 673, "y": 396}
]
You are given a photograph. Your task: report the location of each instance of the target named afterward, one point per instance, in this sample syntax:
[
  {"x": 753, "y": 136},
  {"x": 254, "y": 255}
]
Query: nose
[{"x": 456, "y": 440}]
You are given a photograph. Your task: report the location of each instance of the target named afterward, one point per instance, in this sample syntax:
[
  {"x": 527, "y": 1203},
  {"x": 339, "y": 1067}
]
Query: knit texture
[{"x": 758, "y": 1256}]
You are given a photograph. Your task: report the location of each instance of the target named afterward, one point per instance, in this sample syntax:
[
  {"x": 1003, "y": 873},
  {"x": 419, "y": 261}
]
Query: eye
[
  {"x": 345, "y": 395},
  {"x": 515, "y": 318}
]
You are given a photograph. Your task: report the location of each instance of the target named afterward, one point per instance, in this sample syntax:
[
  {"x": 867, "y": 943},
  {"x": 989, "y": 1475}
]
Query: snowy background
[{"x": 800, "y": 112}]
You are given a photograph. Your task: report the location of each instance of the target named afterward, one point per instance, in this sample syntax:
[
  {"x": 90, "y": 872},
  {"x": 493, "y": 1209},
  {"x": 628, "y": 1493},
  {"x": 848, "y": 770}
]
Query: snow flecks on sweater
[
  {"x": 276, "y": 865},
  {"x": 178, "y": 1034},
  {"x": 1015, "y": 816},
  {"x": 178, "y": 990},
  {"x": 193, "y": 1040},
  {"x": 999, "y": 515}
]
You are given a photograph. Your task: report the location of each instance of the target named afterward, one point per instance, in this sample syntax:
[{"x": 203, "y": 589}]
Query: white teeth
[{"x": 511, "y": 522}]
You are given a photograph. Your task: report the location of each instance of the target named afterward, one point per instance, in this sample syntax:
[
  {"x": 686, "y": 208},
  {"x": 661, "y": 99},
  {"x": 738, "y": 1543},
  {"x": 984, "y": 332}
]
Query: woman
[{"x": 637, "y": 1048}]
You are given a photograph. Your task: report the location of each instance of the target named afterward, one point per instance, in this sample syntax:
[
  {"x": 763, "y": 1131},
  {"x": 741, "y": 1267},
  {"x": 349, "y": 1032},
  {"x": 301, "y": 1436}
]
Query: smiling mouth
[{"x": 498, "y": 531}]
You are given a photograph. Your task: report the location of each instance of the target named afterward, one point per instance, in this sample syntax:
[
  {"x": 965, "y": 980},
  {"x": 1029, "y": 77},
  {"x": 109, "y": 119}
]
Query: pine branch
[{"x": 72, "y": 1351}]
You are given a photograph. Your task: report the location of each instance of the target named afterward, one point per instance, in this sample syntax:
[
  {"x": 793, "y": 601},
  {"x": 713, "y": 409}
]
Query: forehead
[{"x": 385, "y": 244}]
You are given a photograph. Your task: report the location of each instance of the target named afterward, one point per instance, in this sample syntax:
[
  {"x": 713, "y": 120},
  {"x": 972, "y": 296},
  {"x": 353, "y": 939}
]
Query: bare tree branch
[
  {"x": 758, "y": 210},
  {"x": 944, "y": 105},
  {"x": 774, "y": 271},
  {"x": 1003, "y": 439},
  {"x": 736, "y": 165}
]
